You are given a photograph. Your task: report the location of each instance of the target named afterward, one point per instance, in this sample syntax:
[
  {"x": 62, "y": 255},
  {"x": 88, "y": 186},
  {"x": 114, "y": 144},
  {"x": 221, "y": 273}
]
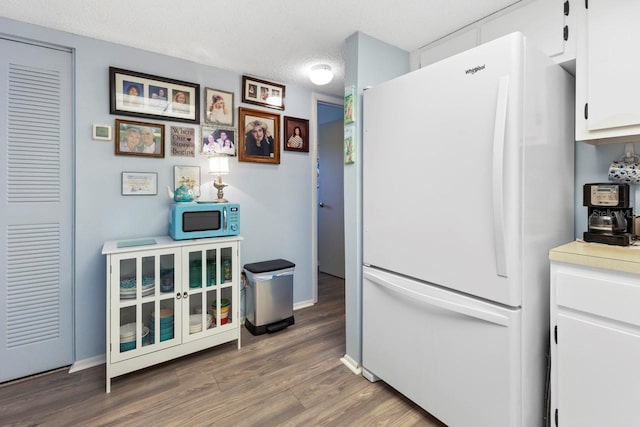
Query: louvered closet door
[{"x": 36, "y": 202}]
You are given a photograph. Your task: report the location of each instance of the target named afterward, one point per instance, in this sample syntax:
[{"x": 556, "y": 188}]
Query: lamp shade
[
  {"x": 219, "y": 165},
  {"x": 321, "y": 74}
]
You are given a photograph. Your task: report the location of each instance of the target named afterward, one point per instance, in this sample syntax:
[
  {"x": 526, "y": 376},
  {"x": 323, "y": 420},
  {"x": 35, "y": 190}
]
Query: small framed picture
[
  {"x": 183, "y": 141},
  {"x": 296, "y": 137},
  {"x": 349, "y": 146},
  {"x": 139, "y": 183},
  {"x": 153, "y": 97},
  {"x": 218, "y": 140},
  {"x": 262, "y": 92},
  {"x": 102, "y": 132},
  {"x": 139, "y": 139},
  {"x": 189, "y": 176},
  {"x": 218, "y": 107},
  {"x": 349, "y": 105}
]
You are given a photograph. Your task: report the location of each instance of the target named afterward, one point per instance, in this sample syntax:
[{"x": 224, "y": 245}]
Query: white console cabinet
[
  {"x": 595, "y": 335},
  {"x": 167, "y": 298},
  {"x": 607, "y": 90}
]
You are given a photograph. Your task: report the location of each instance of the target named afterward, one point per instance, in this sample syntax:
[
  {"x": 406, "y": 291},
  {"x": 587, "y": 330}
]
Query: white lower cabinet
[
  {"x": 167, "y": 298},
  {"x": 595, "y": 346}
]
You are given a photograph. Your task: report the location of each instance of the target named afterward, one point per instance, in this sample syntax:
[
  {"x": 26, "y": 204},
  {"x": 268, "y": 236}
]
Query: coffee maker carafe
[{"x": 610, "y": 214}]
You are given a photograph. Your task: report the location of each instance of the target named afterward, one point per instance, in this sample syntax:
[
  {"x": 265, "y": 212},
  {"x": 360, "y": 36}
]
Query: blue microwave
[{"x": 199, "y": 220}]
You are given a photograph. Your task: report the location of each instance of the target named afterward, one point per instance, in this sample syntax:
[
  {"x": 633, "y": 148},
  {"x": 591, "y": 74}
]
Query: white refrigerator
[{"x": 467, "y": 184}]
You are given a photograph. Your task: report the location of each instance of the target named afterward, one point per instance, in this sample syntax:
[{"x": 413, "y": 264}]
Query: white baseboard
[
  {"x": 370, "y": 376},
  {"x": 303, "y": 304},
  {"x": 351, "y": 364},
  {"x": 80, "y": 365}
]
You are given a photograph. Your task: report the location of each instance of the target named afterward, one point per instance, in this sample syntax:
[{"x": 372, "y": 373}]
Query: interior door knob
[{"x": 321, "y": 205}]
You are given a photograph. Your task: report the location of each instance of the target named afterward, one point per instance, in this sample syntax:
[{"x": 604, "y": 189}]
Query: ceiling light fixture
[{"x": 321, "y": 74}]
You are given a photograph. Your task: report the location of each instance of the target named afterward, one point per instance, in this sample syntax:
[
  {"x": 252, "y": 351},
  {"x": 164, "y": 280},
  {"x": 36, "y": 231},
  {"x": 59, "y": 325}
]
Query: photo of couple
[{"x": 137, "y": 138}]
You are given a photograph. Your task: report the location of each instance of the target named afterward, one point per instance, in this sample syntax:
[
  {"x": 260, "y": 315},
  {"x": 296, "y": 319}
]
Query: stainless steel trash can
[{"x": 269, "y": 296}]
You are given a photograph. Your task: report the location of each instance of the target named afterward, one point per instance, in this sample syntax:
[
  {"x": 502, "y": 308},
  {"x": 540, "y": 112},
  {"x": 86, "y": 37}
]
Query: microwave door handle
[{"x": 224, "y": 218}]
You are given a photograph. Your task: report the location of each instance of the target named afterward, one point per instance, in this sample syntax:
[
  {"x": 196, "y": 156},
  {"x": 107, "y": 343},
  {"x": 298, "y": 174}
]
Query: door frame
[{"x": 316, "y": 98}]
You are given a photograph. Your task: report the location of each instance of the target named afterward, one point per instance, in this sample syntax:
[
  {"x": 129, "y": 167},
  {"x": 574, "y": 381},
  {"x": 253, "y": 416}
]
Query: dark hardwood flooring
[{"x": 290, "y": 378}]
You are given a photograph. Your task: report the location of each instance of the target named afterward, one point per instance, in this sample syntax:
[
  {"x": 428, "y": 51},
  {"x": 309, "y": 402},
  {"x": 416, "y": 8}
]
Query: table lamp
[{"x": 219, "y": 165}]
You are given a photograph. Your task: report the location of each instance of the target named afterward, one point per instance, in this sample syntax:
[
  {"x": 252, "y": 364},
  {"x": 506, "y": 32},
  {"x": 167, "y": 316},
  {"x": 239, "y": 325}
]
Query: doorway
[
  {"x": 325, "y": 109},
  {"x": 330, "y": 190}
]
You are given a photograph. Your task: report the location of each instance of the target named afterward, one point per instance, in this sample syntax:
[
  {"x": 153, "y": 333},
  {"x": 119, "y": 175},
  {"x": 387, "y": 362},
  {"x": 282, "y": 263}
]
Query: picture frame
[
  {"x": 139, "y": 183},
  {"x": 349, "y": 105},
  {"x": 263, "y": 93},
  {"x": 349, "y": 145},
  {"x": 218, "y": 140},
  {"x": 218, "y": 107},
  {"x": 264, "y": 125},
  {"x": 102, "y": 132},
  {"x": 188, "y": 175},
  {"x": 296, "y": 134},
  {"x": 183, "y": 141},
  {"x": 144, "y": 95},
  {"x": 132, "y": 139}
]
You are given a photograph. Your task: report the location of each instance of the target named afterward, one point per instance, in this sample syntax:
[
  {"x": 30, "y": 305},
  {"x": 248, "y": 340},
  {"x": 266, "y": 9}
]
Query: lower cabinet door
[{"x": 598, "y": 373}]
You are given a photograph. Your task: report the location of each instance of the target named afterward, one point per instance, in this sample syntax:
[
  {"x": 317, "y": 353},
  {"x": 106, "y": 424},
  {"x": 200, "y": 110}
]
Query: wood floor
[{"x": 290, "y": 378}]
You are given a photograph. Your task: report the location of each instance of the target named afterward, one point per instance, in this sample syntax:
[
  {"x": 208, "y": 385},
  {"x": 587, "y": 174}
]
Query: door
[
  {"x": 455, "y": 356},
  {"x": 36, "y": 201},
  {"x": 612, "y": 87},
  {"x": 441, "y": 172},
  {"x": 597, "y": 371},
  {"x": 331, "y": 193},
  {"x": 144, "y": 315}
]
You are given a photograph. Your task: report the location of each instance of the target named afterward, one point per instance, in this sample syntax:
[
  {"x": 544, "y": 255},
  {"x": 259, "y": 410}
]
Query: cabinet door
[
  {"x": 607, "y": 71},
  {"x": 209, "y": 287},
  {"x": 541, "y": 21},
  {"x": 597, "y": 373},
  {"x": 464, "y": 40},
  {"x": 144, "y": 314}
]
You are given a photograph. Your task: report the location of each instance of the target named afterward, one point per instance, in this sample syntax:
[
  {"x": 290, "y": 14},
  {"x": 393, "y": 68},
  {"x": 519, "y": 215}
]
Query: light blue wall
[
  {"x": 368, "y": 62},
  {"x": 275, "y": 199}
]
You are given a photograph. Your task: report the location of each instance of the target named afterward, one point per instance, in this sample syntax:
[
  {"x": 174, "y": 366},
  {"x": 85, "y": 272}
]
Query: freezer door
[
  {"x": 442, "y": 163},
  {"x": 456, "y": 357}
]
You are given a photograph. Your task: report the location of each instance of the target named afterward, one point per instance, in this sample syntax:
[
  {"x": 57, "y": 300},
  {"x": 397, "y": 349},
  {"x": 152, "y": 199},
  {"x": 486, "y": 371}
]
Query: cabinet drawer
[{"x": 616, "y": 297}]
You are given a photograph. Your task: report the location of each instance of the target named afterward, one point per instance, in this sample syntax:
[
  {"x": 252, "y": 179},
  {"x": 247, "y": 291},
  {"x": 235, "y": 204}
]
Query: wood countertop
[{"x": 619, "y": 258}]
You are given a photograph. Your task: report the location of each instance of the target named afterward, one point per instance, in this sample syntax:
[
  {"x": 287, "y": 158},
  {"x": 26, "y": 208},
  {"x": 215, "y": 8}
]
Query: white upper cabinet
[
  {"x": 607, "y": 89},
  {"x": 548, "y": 24},
  {"x": 449, "y": 46}
]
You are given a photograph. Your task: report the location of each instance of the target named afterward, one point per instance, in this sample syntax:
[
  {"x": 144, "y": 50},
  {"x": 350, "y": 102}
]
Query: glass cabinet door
[
  {"x": 210, "y": 278},
  {"x": 143, "y": 300}
]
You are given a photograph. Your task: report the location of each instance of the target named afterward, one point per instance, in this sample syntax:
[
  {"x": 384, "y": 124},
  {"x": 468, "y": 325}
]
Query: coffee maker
[{"x": 610, "y": 214}]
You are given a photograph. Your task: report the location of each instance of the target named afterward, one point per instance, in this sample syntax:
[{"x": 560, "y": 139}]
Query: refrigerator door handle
[
  {"x": 485, "y": 315},
  {"x": 499, "y": 131}
]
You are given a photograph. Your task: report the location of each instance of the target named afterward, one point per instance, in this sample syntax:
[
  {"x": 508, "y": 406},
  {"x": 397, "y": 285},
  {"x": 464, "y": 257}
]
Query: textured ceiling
[{"x": 278, "y": 40}]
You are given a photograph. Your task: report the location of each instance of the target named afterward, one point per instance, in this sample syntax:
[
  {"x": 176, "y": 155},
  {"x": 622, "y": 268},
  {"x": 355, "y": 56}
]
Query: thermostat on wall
[{"x": 102, "y": 132}]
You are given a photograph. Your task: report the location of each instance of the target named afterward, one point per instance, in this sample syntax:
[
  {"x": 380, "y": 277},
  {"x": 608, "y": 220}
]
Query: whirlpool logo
[{"x": 475, "y": 69}]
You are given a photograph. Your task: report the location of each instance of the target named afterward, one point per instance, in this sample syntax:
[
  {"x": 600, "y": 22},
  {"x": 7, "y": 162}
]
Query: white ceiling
[{"x": 278, "y": 40}]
